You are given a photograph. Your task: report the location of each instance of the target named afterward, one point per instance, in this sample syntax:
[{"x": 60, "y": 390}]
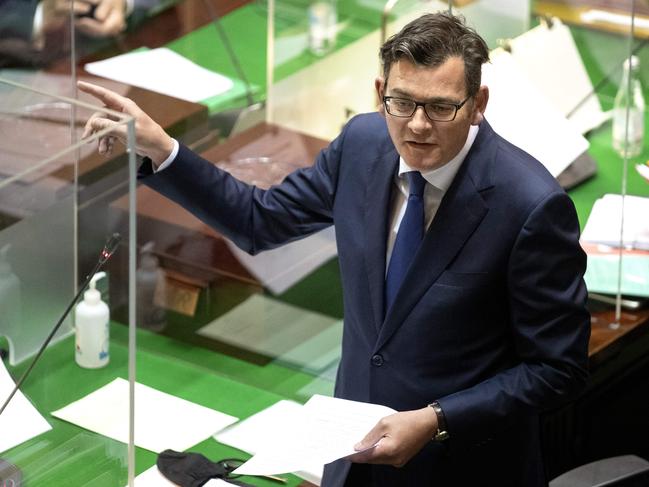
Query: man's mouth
[{"x": 416, "y": 144}]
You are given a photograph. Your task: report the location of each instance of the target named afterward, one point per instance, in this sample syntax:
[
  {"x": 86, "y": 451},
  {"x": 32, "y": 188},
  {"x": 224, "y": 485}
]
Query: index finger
[{"x": 111, "y": 99}]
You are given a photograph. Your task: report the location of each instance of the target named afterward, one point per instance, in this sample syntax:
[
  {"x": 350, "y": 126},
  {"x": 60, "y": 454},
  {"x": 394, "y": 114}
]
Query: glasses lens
[
  {"x": 400, "y": 107},
  {"x": 440, "y": 111}
]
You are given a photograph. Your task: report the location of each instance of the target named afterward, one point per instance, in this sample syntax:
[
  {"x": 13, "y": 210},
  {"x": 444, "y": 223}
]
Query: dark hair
[{"x": 433, "y": 38}]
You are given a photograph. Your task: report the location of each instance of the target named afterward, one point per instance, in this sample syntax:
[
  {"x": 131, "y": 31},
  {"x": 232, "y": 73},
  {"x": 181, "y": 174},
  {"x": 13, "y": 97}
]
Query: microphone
[{"x": 108, "y": 250}]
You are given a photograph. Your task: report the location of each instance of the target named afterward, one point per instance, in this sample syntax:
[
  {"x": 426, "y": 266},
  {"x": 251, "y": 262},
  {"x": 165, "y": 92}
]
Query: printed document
[{"x": 327, "y": 429}]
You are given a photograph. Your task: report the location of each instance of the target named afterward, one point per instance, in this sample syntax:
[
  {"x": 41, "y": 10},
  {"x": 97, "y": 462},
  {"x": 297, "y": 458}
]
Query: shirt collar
[{"x": 443, "y": 176}]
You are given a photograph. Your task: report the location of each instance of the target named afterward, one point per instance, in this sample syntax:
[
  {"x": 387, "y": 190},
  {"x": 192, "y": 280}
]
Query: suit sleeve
[
  {"x": 17, "y": 19},
  {"x": 550, "y": 326},
  {"x": 254, "y": 219}
]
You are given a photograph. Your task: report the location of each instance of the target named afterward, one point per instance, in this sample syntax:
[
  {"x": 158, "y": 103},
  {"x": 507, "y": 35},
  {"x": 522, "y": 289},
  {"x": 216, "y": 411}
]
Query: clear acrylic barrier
[
  {"x": 49, "y": 184},
  {"x": 612, "y": 205},
  {"x": 316, "y": 89}
]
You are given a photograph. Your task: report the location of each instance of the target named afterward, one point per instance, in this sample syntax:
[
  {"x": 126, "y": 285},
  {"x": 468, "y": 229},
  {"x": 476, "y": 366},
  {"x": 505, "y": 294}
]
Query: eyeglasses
[{"x": 435, "y": 111}]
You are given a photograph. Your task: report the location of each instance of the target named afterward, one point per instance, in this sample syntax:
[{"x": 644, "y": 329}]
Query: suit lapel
[
  {"x": 460, "y": 212},
  {"x": 377, "y": 216}
]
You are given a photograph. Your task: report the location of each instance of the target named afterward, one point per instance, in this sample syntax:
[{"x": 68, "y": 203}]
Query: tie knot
[{"x": 417, "y": 183}]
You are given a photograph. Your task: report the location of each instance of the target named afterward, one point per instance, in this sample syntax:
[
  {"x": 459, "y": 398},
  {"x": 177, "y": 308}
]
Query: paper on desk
[
  {"x": 153, "y": 478},
  {"x": 520, "y": 113},
  {"x": 542, "y": 53},
  {"x": 260, "y": 431},
  {"x": 161, "y": 420},
  {"x": 279, "y": 269},
  {"x": 20, "y": 421},
  {"x": 275, "y": 329},
  {"x": 327, "y": 429},
  {"x": 164, "y": 71},
  {"x": 643, "y": 170},
  {"x": 603, "y": 225}
]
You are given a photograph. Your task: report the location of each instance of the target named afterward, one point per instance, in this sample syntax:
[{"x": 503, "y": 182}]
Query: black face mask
[{"x": 192, "y": 469}]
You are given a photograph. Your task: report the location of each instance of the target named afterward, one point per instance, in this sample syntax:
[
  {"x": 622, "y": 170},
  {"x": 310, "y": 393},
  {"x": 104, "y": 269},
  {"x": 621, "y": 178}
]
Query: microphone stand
[{"x": 106, "y": 253}]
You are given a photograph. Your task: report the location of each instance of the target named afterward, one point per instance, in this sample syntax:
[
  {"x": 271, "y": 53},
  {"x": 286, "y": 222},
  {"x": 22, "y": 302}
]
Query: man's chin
[{"x": 423, "y": 165}]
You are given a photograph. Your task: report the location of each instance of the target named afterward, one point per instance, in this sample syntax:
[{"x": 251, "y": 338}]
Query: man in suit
[{"x": 480, "y": 323}]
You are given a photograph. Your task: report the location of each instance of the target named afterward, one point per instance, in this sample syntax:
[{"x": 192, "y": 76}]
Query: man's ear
[
  {"x": 379, "y": 84},
  {"x": 480, "y": 105}
]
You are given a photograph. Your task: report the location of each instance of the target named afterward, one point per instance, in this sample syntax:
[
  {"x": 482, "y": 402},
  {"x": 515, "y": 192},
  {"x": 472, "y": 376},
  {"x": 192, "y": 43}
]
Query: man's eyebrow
[{"x": 438, "y": 99}]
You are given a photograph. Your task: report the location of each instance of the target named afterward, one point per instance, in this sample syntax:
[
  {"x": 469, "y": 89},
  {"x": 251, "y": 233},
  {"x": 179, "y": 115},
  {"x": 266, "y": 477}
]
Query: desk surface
[{"x": 58, "y": 456}]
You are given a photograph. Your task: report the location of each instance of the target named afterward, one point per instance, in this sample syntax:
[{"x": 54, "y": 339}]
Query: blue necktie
[{"x": 409, "y": 236}]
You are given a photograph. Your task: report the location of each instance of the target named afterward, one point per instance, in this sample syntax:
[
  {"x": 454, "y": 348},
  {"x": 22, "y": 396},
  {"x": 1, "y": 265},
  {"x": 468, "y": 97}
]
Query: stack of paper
[
  {"x": 605, "y": 222},
  {"x": 603, "y": 271},
  {"x": 509, "y": 90},
  {"x": 261, "y": 431},
  {"x": 548, "y": 56}
]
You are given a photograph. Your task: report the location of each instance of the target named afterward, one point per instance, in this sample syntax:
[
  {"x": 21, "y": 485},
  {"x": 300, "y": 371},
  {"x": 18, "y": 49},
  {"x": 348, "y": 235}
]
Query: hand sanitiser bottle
[{"x": 92, "y": 333}]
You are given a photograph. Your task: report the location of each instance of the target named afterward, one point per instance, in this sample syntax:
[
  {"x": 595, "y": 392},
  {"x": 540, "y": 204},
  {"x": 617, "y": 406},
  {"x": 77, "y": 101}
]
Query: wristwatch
[{"x": 442, "y": 433}]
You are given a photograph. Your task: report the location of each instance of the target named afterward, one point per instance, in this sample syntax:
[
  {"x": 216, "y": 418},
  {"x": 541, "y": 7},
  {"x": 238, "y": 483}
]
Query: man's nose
[{"x": 419, "y": 122}]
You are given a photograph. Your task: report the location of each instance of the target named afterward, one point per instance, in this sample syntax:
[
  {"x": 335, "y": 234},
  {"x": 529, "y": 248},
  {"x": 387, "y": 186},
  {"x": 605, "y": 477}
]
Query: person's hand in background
[{"x": 97, "y": 18}]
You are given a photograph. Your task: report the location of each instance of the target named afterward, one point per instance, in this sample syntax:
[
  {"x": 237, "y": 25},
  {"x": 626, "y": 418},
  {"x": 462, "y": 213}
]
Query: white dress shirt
[{"x": 437, "y": 183}]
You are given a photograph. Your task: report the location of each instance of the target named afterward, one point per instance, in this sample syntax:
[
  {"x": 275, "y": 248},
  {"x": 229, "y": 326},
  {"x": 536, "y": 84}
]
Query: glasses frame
[{"x": 457, "y": 106}]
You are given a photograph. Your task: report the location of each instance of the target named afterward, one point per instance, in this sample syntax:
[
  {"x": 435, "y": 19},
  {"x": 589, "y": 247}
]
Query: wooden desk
[{"x": 572, "y": 12}]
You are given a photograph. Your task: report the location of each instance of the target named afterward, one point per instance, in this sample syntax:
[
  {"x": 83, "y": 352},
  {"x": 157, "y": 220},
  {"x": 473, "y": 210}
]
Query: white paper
[
  {"x": 290, "y": 334},
  {"x": 153, "y": 478},
  {"x": 20, "y": 421},
  {"x": 260, "y": 432},
  {"x": 603, "y": 225},
  {"x": 279, "y": 269},
  {"x": 549, "y": 58},
  {"x": 162, "y": 421},
  {"x": 164, "y": 71},
  {"x": 643, "y": 170},
  {"x": 520, "y": 113},
  {"x": 327, "y": 429}
]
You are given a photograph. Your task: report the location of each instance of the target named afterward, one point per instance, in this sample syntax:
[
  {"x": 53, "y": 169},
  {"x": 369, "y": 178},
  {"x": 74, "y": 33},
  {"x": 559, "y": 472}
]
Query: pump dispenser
[
  {"x": 92, "y": 332},
  {"x": 149, "y": 279}
]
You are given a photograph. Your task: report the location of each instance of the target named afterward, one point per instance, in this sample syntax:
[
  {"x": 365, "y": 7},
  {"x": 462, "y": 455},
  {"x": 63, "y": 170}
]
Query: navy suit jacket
[{"x": 490, "y": 319}]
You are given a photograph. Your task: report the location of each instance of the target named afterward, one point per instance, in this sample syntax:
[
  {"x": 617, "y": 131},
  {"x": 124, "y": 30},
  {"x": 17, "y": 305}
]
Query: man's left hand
[{"x": 397, "y": 438}]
